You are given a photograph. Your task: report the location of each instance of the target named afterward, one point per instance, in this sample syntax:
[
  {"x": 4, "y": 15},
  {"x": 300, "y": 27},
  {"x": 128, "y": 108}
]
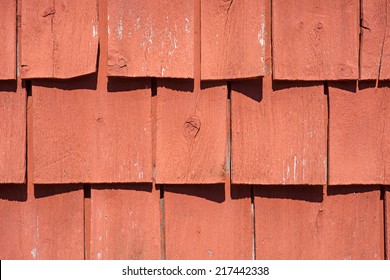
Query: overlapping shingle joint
[{"x": 310, "y": 103}]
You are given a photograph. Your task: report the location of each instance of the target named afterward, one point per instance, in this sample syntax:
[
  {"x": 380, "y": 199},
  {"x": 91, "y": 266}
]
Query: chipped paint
[
  {"x": 187, "y": 26},
  {"x": 94, "y": 31},
  {"x": 119, "y": 30},
  {"x": 295, "y": 167}
]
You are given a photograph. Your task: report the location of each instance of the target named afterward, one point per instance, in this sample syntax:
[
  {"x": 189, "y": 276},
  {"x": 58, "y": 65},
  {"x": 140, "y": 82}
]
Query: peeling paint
[
  {"x": 119, "y": 30},
  {"x": 94, "y": 31},
  {"x": 295, "y": 167},
  {"x": 187, "y": 26}
]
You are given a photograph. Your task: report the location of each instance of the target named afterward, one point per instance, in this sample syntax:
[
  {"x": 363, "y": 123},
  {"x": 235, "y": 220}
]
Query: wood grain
[
  {"x": 41, "y": 222},
  {"x": 385, "y": 56},
  {"x": 125, "y": 222},
  {"x": 59, "y": 38},
  {"x": 278, "y": 133},
  {"x": 191, "y": 133},
  {"x": 151, "y": 39},
  {"x": 359, "y": 134},
  {"x": 373, "y": 31},
  {"x": 8, "y": 40},
  {"x": 298, "y": 223},
  {"x": 83, "y": 135},
  {"x": 208, "y": 222},
  {"x": 233, "y": 39},
  {"x": 307, "y": 37},
  {"x": 12, "y": 133}
]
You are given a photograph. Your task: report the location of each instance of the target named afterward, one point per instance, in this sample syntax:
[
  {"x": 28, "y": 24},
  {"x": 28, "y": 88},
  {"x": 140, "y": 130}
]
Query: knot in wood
[{"x": 191, "y": 127}]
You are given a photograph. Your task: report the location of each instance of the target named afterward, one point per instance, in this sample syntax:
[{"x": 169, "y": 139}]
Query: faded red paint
[
  {"x": 208, "y": 222},
  {"x": 278, "y": 133},
  {"x": 233, "y": 39},
  {"x": 109, "y": 142},
  {"x": 385, "y": 56},
  {"x": 8, "y": 40},
  {"x": 359, "y": 134},
  {"x": 151, "y": 39},
  {"x": 372, "y": 39},
  {"x": 191, "y": 133},
  {"x": 315, "y": 40},
  {"x": 12, "y": 133},
  {"x": 299, "y": 223},
  {"x": 125, "y": 222},
  {"x": 59, "y": 38}
]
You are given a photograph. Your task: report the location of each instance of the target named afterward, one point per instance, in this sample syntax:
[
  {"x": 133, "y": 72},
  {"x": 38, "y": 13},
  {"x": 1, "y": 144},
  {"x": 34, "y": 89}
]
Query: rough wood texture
[
  {"x": 307, "y": 36},
  {"x": 8, "y": 40},
  {"x": 41, "y": 222},
  {"x": 208, "y": 222},
  {"x": 12, "y": 133},
  {"x": 385, "y": 57},
  {"x": 359, "y": 134},
  {"x": 191, "y": 133},
  {"x": 295, "y": 223},
  {"x": 59, "y": 38},
  {"x": 279, "y": 133},
  {"x": 233, "y": 39},
  {"x": 125, "y": 222},
  {"x": 149, "y": 38},
  {"x": 59, "y": 222},
  {"x": 373, "y": 31},
  {"x": 83, "y": 135},
  {"x": 17, "y": 226}
]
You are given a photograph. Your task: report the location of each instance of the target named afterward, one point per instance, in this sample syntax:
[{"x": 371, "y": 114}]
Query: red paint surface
[
  {"x": 88, "y": 136},
  {"x": 191, "y": 133},
  {"x": 372, "y": 38},
  {"x": 298, "y": 223},
  {"x": 125, "y": 222},
  {"x": 59, "y": 38},
  {"x": 233, "y": 39},
  {"x": 359, "y": 134},
  {"x": 17, "y": 226},
  {"x": 208, "y": 222},
  {"x": 385, "y": 58},
  {"x": 149, "y": 38},
  {"x": 12, "y": 133},
  {"x": 41, "y": 222},
  {"x": 8, "y": 40},
  {"x": 278, "y": 133},
  {"x": 307, "y": 37}
]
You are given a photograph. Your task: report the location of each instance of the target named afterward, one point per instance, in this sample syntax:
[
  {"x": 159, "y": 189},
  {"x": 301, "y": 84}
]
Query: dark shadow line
[
  {"x": 344, "y": 190},
  {"x": 120, "y": 84},
  {"x": 212, "y": 192},
  {"x": 88, "y": 81},
  {"x": 13, "y": 192},
  {"x": 302, "y": 192}
]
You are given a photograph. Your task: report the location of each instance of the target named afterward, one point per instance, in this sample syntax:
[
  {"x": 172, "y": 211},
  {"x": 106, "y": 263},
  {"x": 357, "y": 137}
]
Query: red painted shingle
[
  {"x": 233, "y": 39},
  {"x": 59, "y": 38},
  {"x": 278, "y": 133},
  {"x": 373, "y": 30},
  {"x": 151, "y": 38},
  {"x": 82, "y": 135},
  {"x": 191, "y": 133},
  {"x": 298, "y": 223},
  {"x": 12, "y": 133},
  {"x": 359, "y": 135},
  {"x": 8, "y": 40},
  {"x": 125, "y": 222},
  {"x": 207, "y": 222},
  {"x": 315, "y": 40}
]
